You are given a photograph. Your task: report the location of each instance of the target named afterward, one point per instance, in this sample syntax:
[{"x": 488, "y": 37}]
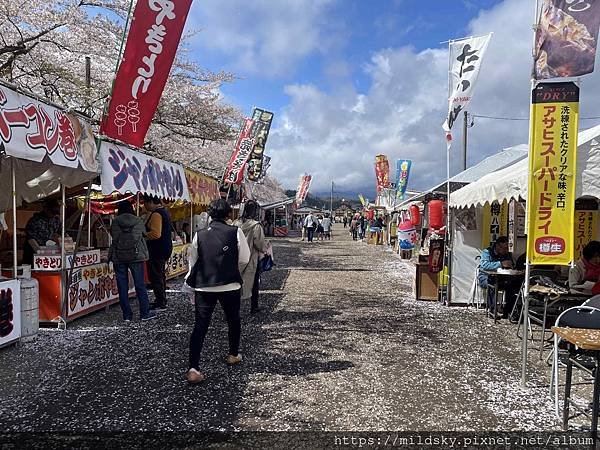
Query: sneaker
[
  {"x": 232, "y": 360},
  {"x": 158, "y": 308},
  {"x": 194, "y": 376},
  {"x": 151, "y": 315},
  {"x": 127, "y": 320}
]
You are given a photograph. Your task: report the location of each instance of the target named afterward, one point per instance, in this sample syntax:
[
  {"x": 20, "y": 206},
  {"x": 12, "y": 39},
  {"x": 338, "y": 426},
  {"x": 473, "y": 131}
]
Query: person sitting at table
[
  {"x": 493, "y": 258},
  {"x": 586, "y": 272}
]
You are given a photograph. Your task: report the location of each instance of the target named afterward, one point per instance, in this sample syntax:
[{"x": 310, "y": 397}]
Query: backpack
[{"x": 126, "y": 246}]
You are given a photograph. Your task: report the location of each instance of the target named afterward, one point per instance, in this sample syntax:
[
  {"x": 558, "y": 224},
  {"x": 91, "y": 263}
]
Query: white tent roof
[
  {"x": 497, "y": 161},
  {"x": 511, "y": 182}
]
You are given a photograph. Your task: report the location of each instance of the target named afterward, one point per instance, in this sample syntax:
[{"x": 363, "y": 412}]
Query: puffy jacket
[{"x": 126, "y": 221}]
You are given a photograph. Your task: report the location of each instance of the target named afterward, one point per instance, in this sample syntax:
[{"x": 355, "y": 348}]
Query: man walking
[
  {"x": 310, "y": 226},
  {"x": 326, "y": 224},
  {"x": 216, "y": 255},
  {"x": 160, "y": 246}
]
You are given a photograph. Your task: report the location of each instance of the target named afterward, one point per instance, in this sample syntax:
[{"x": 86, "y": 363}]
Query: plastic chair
[
  {"x": 576, "y": 317},
  {"x": 594, "y": 302}
]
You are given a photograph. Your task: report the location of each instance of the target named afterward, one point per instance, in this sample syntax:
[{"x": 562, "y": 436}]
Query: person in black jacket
[
  {"x": 160, "y": 246},
  {"x": 216, "y": 255}
]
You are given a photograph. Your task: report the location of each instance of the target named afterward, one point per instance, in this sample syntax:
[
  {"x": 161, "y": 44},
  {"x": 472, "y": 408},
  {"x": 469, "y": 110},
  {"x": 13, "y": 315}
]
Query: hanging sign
[
  {"x": 566, "y": 38},
  {"x": 255, "y": 163},
  {"x": 586, "y": 224},
  {"x": 125, "y": 170},
  {"x": 177, "y": 264},
  {"x": 149, "y": 53},
  {"x": 32, "y": 130},
  {"x": 203, "y": 189},
  {"x": 552, "y": 169},
  {"x": 495, "y": 222}
]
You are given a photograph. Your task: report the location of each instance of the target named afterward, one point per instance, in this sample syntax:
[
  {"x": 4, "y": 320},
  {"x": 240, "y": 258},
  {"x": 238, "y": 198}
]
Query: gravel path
[{"x": 339, "y": 345}]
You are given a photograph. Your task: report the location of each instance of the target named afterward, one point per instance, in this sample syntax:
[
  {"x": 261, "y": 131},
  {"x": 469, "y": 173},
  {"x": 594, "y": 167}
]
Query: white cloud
[
  {"x": 263, "y": 36},
  {"x": 335, "y": 135}
]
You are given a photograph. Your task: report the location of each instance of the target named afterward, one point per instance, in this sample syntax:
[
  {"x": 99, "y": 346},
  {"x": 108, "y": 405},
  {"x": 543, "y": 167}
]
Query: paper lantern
[
  {"x": 407, "y": 235},
  {"x": 436, "y": 214},
  {"x": 415, "y": 215}
]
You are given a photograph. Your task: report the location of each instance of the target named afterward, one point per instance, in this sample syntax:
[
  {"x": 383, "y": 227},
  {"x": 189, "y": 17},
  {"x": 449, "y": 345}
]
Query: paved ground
[{"x": 339, "y": 345}]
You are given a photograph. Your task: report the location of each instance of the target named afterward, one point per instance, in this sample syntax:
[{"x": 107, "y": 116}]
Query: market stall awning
[
  {"x": 511, "y": 182},
  {"x": 491, "y": 164},
  {"x": 203, "y": 189},
  {"x": 47, "y": 145},
  {"x": 125, "y": 170},
  {"x": 279, "y": 204}
]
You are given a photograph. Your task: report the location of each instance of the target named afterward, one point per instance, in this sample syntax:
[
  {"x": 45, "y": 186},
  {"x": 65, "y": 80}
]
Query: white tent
[
  {"x": 506, "y": 184},
  {"x": 511, "y": 182}
]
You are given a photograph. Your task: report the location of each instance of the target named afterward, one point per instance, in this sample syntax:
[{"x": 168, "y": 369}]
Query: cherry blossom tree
[{"x": 43, "y": 49}]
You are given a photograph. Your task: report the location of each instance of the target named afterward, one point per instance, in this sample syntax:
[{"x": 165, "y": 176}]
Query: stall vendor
[
  {"x": 585, "y": 273},
  {"x": 42, "y": 227},
  {"x": 493, "y": 258}
]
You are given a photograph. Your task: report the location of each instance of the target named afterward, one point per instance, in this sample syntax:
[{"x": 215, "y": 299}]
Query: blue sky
[{"x": 348, "y": 79}]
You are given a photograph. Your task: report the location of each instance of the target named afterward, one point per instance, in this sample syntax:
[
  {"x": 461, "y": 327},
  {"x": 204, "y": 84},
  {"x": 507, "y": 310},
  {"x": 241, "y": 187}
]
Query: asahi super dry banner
[
  {"x": 255, "y": 163},
  {"x": 402, "y": 173},
  {"x": 566, "y": 38},
  {"x": 382, "y": 172},
  {"x": 243, "y": 147},
  {"x": 586, "y": 224},
  {"x": 151, "y": 46},
  {"x": 552, "y": 170}
]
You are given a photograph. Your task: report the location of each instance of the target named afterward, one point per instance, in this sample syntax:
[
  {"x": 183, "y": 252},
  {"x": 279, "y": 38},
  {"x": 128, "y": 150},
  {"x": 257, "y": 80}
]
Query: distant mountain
[{"x": 324, "y": 200}]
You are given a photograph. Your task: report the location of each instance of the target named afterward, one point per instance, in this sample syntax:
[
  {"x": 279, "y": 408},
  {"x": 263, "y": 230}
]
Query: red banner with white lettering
[
  {"x": 241, "y": 153},
  {"x": 151, "y": 46}
]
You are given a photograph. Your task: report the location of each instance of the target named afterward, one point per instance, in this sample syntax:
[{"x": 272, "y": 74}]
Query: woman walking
[
  {"x": 255, "y": 237},
  {"x": 216, "y": 254},
  {"x": 128, "y": 252}
]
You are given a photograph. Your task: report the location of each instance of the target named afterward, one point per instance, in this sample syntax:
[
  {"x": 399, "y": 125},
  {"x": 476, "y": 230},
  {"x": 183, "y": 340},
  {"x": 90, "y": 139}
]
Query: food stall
[
  {"x": 48, "y": 151},
  {"x": 280, "y": 213},
  {"x": 127, "y": 171}
]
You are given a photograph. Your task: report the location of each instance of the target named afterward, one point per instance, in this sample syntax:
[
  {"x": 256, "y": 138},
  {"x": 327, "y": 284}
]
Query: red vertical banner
[
  {"x": 382, "y": 172},
  {"x": 243, "y": 148},
  {"x": 149, "y": 53}
]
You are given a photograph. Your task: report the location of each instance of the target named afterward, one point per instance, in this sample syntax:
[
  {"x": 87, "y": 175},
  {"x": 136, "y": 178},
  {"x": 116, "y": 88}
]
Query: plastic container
[{"x": 30, "y": 304}]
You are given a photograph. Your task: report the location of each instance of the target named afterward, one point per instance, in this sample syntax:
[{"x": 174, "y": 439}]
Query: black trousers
[
  {"x": 158, "y": 280},
  {"x": 205, "y": 305},
  {"x": 255, "y": 288}
]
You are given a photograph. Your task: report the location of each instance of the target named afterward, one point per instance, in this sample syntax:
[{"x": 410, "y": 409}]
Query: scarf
[{"x": 592, "y": 271}]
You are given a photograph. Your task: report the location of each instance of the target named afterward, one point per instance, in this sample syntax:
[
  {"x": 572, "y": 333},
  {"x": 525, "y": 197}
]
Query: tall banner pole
[{"x": 527, "y": 218}]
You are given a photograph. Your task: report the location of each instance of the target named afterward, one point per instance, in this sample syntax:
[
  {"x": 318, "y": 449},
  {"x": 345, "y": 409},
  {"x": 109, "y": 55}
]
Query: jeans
[
  {"x": 158, "y": 280},
  {"x": 311, "y": 233},
  {"x": 205, "y": 305},
  {"x": 122, "y": 275}
]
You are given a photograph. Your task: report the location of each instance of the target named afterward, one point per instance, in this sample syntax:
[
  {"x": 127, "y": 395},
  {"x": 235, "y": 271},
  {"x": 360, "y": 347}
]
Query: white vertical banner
[{"x": 466, "y": 56}]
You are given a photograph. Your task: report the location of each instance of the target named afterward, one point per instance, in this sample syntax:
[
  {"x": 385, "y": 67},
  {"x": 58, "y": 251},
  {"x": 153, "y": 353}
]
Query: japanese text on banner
[{"x": 552, "y": 161}]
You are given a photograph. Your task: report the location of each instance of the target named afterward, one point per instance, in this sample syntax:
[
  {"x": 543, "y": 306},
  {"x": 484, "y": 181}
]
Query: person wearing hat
[{"x": 42, "y": 227}]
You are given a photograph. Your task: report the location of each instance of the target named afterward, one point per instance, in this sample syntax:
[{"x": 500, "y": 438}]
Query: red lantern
[
  {"x": 436, "y": 214},
  {"x": 415, "y": 215}
]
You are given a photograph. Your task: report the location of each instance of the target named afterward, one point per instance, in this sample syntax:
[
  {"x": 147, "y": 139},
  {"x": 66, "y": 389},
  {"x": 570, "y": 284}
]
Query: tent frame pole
[{"x": 14, "y": 224}]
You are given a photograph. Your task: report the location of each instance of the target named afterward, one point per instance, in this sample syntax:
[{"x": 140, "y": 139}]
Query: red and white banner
[
  {"x": 151, "y": 46},
  {"x": 243, "y": 148},
  {"x": 303, "y": 188},
  {"x": 382, "y": 172}
]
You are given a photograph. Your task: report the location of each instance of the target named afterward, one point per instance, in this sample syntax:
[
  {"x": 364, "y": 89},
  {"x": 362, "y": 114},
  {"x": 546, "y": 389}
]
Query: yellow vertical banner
[
  {"x": 552, "y": 171},
  {"x": 495, "y": 222}
]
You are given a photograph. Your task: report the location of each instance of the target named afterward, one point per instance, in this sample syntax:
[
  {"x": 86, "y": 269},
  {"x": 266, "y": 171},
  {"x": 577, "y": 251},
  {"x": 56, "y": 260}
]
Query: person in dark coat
[
  {"x": 160, "y": 246},
  {"x": 215, "y": 258},
  {"x": 128, "y": 252}
]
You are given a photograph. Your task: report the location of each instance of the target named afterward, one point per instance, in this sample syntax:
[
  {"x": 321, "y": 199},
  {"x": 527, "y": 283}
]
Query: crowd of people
[{"x": 224, "y": 266}]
